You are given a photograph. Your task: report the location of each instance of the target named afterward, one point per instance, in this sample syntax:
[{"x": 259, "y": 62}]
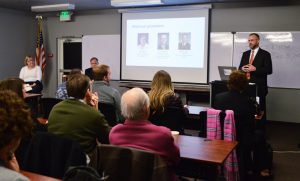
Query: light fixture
[
  {"x": 126, "y": 3},
  {"x": 52, "y": 7}
]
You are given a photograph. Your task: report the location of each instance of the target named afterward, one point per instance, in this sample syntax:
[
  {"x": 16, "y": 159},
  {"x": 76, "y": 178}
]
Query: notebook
[{"x": 225, "y": 71}]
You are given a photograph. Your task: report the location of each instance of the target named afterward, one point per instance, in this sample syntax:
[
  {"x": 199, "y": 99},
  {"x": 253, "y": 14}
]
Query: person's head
[
  {"x": 253, "y": 40},
  {"x": 94, "y": 62},
  {"x": 78, "y": 86},
  {"x": 135, "y": 104},
  {"x": 101, "y": 72},
  {"x": 163, "y": 39},
  {"x": 142, "y": 40},
  {"x": 184, "y": 38},
  {"x": 15, "y": 122},
  {"x": 161, "y": 87},
  {"x": 237, "y": 81},
  {"x": 14, "y": 84},
  {"x": 28, "y": 61}
]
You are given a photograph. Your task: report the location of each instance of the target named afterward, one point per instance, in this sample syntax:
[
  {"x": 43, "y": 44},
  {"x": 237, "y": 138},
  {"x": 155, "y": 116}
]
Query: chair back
[
  {"x": 109, "y": 112},
  {"x": 172, "y": 118},
  {"x": 47, "y": 103},
  {"x": 51, "y": 155},
  {"x": 129, "y": 164}
]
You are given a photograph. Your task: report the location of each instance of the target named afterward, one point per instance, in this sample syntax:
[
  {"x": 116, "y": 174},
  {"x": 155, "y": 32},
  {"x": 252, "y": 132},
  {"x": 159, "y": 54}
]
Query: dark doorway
[{"x": 72, "y": 55}]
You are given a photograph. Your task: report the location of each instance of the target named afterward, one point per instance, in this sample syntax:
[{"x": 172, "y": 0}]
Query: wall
[
  {"x": 105, "y": 22},
  {"x": 284, "y": 18},
  {"x": 17, "y": 35},
  {"x": 282, "y": 104}
]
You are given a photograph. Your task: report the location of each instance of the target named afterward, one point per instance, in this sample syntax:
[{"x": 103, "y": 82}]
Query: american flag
[{"x": 40, "y": 58}]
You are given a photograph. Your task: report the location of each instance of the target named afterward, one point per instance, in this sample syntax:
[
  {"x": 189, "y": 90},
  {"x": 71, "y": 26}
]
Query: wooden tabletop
[
  {"x": 38, "y": 177},
  {"x": 204, "y": 150},
  {"x": 27, "y": 95}
]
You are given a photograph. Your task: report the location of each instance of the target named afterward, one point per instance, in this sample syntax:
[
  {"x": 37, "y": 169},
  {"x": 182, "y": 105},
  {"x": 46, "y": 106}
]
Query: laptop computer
[{"x": 225, "y": 71}]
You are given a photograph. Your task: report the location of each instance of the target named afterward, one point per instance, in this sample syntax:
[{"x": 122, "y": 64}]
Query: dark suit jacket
[
  {"x": 89, "y": 73},
  {"x": 244, "y": 112},
  {"x": 263, "y": 64},
  {"x": 182, "y": 46}
]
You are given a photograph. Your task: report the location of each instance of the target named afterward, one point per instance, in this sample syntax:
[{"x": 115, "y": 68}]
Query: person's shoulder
[
  {"x": 264, "y": 51},
  {"x": 7, "y": 174}
]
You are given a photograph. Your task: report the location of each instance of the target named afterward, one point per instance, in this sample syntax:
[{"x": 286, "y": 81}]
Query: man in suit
[
  {"x": 184, "y": 44},
  {"x": 257, "y": 64},
  {"x": 89, "y": 71},
  {"x": 163, "y": 41}
]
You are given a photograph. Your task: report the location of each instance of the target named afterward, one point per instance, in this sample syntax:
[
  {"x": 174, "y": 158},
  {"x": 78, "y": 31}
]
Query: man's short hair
[
  {"x": 255, "y": 34},
  {"x": 100, "y": 71},
  {"x": 77, "y": 86},
  {"x": 75, "y": 71},
  {"x": 94, "y": 58},
  {"x": 237, "y": 81},
  {"x": 133, "y": 104}
]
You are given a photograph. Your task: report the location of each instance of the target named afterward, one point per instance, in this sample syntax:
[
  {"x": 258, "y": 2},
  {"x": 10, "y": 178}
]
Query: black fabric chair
[
  {"x": 47, "y": 104},
  {"x": 172, "y": 118},
  {"x": 129, "y": 164},
  {"x": 51, "y": 155},
  {"x": 109, "y": 112}
]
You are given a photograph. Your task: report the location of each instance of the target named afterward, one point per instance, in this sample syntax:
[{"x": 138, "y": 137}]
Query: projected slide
[
  {"x": 173, "y": 40},
  {"x": 160, "y": 42}
]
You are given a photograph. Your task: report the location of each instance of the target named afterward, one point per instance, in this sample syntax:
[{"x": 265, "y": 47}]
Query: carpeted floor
[{"x": 284, "y": 138}]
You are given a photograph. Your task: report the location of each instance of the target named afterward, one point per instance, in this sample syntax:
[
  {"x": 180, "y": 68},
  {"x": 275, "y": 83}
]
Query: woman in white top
[{"x": 32, "y": 75}]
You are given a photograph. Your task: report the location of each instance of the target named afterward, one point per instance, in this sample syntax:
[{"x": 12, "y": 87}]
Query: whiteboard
[
  {"x": 106, "y": 48},
  {"x": 285, "y": 52},
  {"x": 221, "y": 51}
]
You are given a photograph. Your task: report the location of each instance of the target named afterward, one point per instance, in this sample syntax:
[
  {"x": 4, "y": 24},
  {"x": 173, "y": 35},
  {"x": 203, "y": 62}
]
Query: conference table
[
  {"x": 204, "y": 150},
  {"x": 37, "y": 177},
  {"x": 201, "y": 157}
]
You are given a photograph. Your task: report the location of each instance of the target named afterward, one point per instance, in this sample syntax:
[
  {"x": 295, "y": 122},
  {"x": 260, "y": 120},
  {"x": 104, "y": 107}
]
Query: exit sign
[{"x": 65, "y": 16}]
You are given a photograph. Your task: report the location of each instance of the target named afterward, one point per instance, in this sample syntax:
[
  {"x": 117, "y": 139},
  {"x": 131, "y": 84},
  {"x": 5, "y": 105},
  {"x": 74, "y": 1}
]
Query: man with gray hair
[{"x": 137, "y": 132}]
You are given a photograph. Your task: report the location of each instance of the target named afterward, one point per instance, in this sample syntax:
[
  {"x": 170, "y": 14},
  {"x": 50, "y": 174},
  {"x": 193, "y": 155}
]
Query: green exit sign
[{"x": 65, "y": 16}]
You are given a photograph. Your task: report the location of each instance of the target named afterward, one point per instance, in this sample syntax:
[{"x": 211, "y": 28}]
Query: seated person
[
  {"x": 15, "y": 123},
  {"x": 107, "y": 94},
  {"x": 237, "y": 100},
  {"x": 137, "y": 132},
  {"x": 162, "y": 97},
  {"x": 32, "y": 75},
  {"x": 89, "y": 71},
  {"x": 78, "y": 117},
  {"x": 61, "y": 92},
  {"x": 14, "y": 84}
]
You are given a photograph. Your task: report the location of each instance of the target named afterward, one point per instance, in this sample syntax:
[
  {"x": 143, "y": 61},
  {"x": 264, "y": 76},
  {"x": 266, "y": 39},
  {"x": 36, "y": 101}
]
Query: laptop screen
[{"x": 225, "y": 71}]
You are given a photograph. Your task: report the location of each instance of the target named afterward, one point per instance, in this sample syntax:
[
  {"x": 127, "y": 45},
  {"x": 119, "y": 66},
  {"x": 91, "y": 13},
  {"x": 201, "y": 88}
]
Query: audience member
[
  {"x": 107, "y": 94},
  {"x": 237, "y": 100},
  {"x": 14, "y": 84},
  {"x": 61, "y": 92},
  {"x": 15, "y": 123},
  {"x": 78, "y": 117},
  {"x": 138, "y": 132},
  {"x": 32, "y": 75},
  {"x": 163, "y": 97},
  {"x": 89, "y": 71}
]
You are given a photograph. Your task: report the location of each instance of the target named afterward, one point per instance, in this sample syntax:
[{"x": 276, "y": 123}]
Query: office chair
[
  {"x": 128, "y": 164},
  {"x": 109, "y": 112},
  {"x": 51, "y": 155},
  {"x": 47, "y": 104}
]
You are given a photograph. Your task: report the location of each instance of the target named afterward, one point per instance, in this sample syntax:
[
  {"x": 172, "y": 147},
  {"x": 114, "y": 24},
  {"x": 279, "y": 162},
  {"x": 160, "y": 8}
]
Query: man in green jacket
[{"x": 78, "y": 117}]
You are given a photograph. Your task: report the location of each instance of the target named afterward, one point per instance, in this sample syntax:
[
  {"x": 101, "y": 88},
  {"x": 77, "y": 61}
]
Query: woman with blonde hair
[
  {"x": 165, "y": 104},
  {"x": 32, "y": 75}
]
